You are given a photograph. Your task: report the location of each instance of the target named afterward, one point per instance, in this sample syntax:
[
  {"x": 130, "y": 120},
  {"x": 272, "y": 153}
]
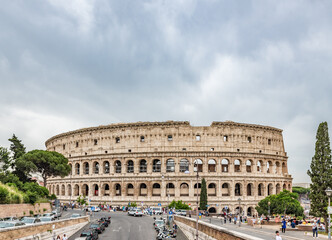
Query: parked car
[
  {"x": 8, "y": 224},
  {"x": 57, "y": 213},
  {"x": 30, "y": 220},
  {"x": 159, "y": 224},
  {"x": 93, "y": 209},
  {"x": 48, "y": 215},
  {"x": 97, "y": 226},
  {"x": 181, "y": 212},
  {"x": 108, "y": 219},
  {"x": 46, "y": 219},
  {"x": 11, "y": 219},
  {"x": 138, "y": 212},
  {"x": 75, "y": 215},
  {"x": 90, "y": 234},
  {"x": 157, "y": 210}
]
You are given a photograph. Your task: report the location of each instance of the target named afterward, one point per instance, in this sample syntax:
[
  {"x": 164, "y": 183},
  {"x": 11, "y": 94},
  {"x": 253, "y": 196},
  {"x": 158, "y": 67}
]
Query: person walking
[
  {"x": 64, "y": 237},
  {"x": 315, "y": 230},
  {"x": 283, "y": 227},
  {"x": 277, "y": 236}
]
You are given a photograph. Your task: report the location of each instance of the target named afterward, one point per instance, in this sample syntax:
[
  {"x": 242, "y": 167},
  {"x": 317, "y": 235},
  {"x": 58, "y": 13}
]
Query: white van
[{"x": 157, "y": 210}]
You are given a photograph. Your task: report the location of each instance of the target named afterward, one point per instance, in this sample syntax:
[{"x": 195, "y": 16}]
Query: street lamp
[
  {"x": 329, "y": 193},
  {"x": 239, "y": 211},
  {"x": 269, "y": 203},
  {"x": 196, "y": 166}
]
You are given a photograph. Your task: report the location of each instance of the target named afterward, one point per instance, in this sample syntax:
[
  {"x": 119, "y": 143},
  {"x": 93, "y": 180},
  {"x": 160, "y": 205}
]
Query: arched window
[
  {"x": 260, "y": 189},
  {"x": 238, "y": 189},
  {"x": 277, "y": 168},
  {"x": 142, "y": 166},
  {"x": 130, "y": 190},
  {"x": 248, "y": 165},
  {"x": 269, "y": 189},
  {"x": 57, "y": 190},
  {"x": 224, "y": 165},
  {"x": 71, "y": 169},
  {"x": 95, "y": 190},
  {"x": 198, "y": 165},
  {"x": 117, "y": 166},
  {"x": 69, "y": 190},
  {"x": 184, "y": 189},
  {"x": 170, "y": 165},
  {"x": 156, "y": 165},
  {"x": 77, "y": 168},
  {"x": 76, "y": 190},
  {"x": 85, "y": 190},
  {"x": 269, "y": 167},
  {"x": 211, "y": 191},
  {"x": 143, "y": 191},
  {"x": 106, "y": 167},
  {"x": 117, "y": 189},
  {"x": 237, "y": 165},
  {"x": 249, "y": 211},
  {"x": 63, "y": 190},
  {"x": 86, "y": 168},
  {"x": 184, "y": 165},
  {"x": 259, "y": 166},
  {"x": 249, "y": 189},
  {"x": 225, "y": 189},
  {"x": 284, "y": 187},
  {"x": 96, "y": 167},
  {"x": 156, "y": 191},
  {"x": 130, "y": 166},
  {"x": 106, "y": 190},
  {"x": 284, "y": 168},
  {"x": 170, "y": 189},
  {"x": 278, "y": 188},
  {"x": 197, "y": 189},
  {"x": 212, "y": 165},
  {"x": 212, "y": 210}
]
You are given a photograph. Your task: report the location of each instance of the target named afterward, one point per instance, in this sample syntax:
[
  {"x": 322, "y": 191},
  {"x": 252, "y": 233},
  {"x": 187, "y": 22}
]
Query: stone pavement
[
  {"x": 266, "y": 232},
  {"x": 180, "y": 235}
]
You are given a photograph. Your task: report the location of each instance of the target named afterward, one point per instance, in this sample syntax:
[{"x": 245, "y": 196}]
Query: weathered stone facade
[{"x": 121, "y": 163}]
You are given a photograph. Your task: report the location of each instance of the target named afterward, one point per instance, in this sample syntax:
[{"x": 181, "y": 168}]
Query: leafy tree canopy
[
  {"x": 282, "y": 203},
  {"x": 203, "y": 197},
  {"x": 49, "y": 164},
  {"x": 179, "y": 205},
  {"x": 300, "y": 190}
]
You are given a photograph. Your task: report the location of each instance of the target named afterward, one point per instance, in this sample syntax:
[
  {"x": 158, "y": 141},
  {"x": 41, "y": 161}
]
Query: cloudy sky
[{"x": 71, "y": 64}]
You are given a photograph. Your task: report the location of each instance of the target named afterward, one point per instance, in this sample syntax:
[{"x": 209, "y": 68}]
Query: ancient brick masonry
[{"x": 153, "y": 162}]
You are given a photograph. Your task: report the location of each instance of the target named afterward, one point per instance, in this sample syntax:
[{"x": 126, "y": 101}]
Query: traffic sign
[
  {"x": 170, "y": 213},
  {"x": 159, "y": 204}
]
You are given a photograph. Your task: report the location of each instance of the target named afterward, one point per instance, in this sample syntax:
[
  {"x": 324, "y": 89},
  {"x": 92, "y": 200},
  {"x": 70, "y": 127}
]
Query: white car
[
  {"x": 136, "y": 212},
  {"x": 30, "y": 220},
  {"x": 157, "y": 210}
]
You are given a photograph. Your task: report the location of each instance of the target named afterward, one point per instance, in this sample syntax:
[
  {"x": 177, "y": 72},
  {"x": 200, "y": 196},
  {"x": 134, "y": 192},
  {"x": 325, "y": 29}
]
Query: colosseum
[{"x": 153, "y": 163}]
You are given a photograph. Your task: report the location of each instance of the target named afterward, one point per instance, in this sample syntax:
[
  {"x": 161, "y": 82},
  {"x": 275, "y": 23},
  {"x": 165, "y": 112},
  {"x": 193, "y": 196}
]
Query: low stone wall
[
  {"x": 18, "y": 210},
  {"x": 43, "y": 231},
  {"x": 209, "y": 231}
]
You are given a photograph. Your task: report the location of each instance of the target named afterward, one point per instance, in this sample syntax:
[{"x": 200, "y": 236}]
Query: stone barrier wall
[
  {"x": 209, "y": 231},
  {"x": 44, "y": 229},
  {"x": 21, "y": 210}
]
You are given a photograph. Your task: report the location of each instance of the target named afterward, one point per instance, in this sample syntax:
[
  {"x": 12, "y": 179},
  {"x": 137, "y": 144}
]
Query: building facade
[{"x": 156, "y": 162}]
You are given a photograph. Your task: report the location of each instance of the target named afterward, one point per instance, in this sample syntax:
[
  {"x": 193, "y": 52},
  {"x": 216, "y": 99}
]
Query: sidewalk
[{"x": 266, "y": 232}]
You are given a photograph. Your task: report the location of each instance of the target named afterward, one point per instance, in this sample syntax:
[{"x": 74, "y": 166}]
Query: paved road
[{"x": 267, "y": 233}]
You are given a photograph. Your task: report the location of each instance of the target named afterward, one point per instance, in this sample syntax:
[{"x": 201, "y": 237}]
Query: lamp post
[
  {"x": 239, "y": 211},
  {"x": 196, "y": 166},
  {"x": 269, "y": 203},
  {"x": 329, "y": 193}
]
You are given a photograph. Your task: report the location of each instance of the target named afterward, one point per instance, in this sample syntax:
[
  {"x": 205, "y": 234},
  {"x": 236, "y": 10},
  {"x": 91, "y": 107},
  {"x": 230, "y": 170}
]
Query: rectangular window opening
[
  {"x": 269, "y": 141},
  {"x": 170, "y": 138},
  {"x": 95, "y": 141},
  {"x": 249, "y": 139},
  {"x": 142, "y": 139},
  {"x": 212, "y": 149},
  {"x": 225, "y": 138},
  {"x": 198, "y": 138}
]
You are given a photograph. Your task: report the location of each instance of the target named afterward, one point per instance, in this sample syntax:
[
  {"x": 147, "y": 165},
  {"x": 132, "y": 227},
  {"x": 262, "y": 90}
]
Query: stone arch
[
  {"x": 199, "y": 189},
  {"x": 284, "y": 187},
  {"x": 212, "y": 189},
  {"x": 76, "y": 190},
  {"x": 278, "y": 188},
  {"x": 237, "y": 165},
  {"x": 289, "y": 187},
  {"x": 212, "y": 165},
  {"x": 96, "y": 167},
  {"x": 225, "y": 189},
  {"x": 250, "y": 211},
  {"x": 226, "y": 210},
  {"x": 238, "y": 210},
  {"x": 249, "y": 165},
  {"x": 69, "y": 190},
  {"x": 269, "y": 167},
  {"x": 212, "y": 210},
  {"x": 184, "y": 165},
  {"x": 170, "y": 189},
  {"x": 130, "y": 166},
  {"x": 259, "y": 165},
  {"x": 170, "y": 165},
  {"x": 63, "y": 190},
  {"x": 156, "y": 190},
  {"x": 85, "y": 190},
  {"x": 238, "y": 189},
  {"x": 130, "y": 189},
  {"x": 184, "y": 189},
  {"x": 117, "y": 165},
  {"x": 156, "y": 165},
  {"x": 225, "y": 165},
  {"x": 95, "y": 188},
  {"x": 77, "y": 169},
  {"x": 270, "y": 189},
  {"x": 106, "y": 189},
  {"x": 143, "y": 166},
  {"x": 143, "y": 190},
  {"x": 117, "y": 188},
  {"x": 71, "y": 168},
  {"x": 86, "y": 168},
  {"x": 57, "y": 190},
  {"x": 198, "y": 163},
  {"x": 106, "y": 166},
  {"x": 284, "y": 168},
  {"x": 260, "y": 190},
  {"x": 277, "y": 167},
  {"x": 250, "y": 189}
]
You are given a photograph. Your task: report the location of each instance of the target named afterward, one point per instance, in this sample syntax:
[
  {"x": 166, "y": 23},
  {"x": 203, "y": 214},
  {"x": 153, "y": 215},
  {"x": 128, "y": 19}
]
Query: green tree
[
  {"x": 81, "y": 200},
  {"x": 49, "y": 164},
  {"x": 16, "y": 147},
  {"x": 5, "y": 159},
  {"x": 203, "y": 198},
  {"x": 179, "y": 205},
  {"x": 132, "y": 204},
  {"x": 300, "y": 190},
  {"x": 282, "y": 203},
  {"x": 320, "y": 173}
]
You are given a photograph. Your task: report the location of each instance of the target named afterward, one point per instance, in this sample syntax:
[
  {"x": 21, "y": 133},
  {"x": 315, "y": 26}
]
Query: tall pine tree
[
  {"x": 203, "y": 197},
  {"x": 320, "y": 173}
]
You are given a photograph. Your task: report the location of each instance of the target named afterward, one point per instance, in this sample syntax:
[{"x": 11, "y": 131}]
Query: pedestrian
[
  {"x": 283, "y": 227},
  {"x": 225, "y": 220},
  {"x": 58, "y": 237},
  {"x": 175, "y": 228},
  {"x": 277, "y": 236},
  {"x": 253, "y": 222},
  {"x": 314, "y": 230},
  {"x": 64, "y": 237}
]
